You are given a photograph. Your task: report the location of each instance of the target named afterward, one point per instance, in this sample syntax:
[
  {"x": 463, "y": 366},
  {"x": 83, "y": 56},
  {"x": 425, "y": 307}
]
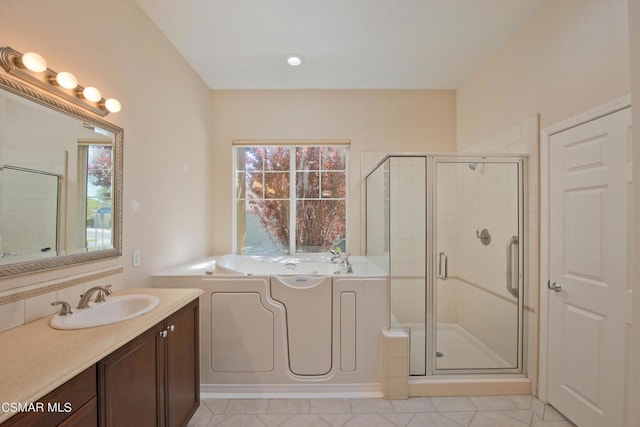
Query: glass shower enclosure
[{"x": 448, "y": 230}]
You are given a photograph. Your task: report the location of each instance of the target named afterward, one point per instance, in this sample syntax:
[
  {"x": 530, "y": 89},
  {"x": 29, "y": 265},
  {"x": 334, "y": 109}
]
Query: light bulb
[
  {"x": 92, "y": 94},
  {"x": 294, "y": 60},
  {"x": 112, "y": 105},
  {"x": 34, "y": 62},
  {"x": 66, "y": 80}
]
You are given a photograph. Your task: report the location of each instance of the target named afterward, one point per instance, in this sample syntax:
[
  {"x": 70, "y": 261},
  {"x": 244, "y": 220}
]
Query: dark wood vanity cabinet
[
  {"x": 71, "y": 404},
  {"x": 131, "y": 382},
  {"x": 182, "y": 355},
  {"x": 154, "y": 379}
]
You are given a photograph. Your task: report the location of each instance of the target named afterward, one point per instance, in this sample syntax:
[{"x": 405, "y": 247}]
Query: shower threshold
[{"x": 456, "y": 349}]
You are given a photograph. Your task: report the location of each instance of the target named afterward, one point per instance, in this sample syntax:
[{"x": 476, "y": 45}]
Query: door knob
[{"x": 555, "y": 286}]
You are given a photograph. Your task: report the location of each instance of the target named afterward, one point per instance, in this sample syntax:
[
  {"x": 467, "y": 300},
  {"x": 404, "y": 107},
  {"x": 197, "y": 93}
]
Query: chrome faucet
[
  {"x": 342, "y": 258},
  {"x": 86, "y": 297},
  {"x": 347, "y": 264}
]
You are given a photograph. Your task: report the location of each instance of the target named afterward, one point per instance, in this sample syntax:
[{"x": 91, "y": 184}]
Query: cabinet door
[
  {"x": 182, "y": 361},
  {"x": 78, "y": 394},
  {"x": 132, "y": 383}
]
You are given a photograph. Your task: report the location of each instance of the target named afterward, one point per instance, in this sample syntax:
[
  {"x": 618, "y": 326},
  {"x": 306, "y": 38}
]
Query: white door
[{"x": 590, "y": 307}]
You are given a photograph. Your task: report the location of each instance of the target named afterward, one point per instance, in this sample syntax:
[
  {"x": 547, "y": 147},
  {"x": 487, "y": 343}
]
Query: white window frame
[
  {"x": 83, "y": 182},
  {"x": 292, "y": 188}
]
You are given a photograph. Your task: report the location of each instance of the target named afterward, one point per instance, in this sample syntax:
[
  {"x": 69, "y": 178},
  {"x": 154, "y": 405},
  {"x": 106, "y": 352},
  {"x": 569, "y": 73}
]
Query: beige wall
[
  {"x": 166, "y": 118},
  {"x": 374, "y": 120},
  {"x": 571, "y": 57}
]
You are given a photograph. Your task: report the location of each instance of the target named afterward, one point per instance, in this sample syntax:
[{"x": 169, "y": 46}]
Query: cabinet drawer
[
  {"x": 60, "y": 404},
  {"x": 83, "y": 417}
]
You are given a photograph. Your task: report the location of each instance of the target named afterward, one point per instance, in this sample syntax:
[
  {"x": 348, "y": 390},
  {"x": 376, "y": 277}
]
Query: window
[
  {"x": 290, "y": 199},
  {"x": 95, "y": 171}
]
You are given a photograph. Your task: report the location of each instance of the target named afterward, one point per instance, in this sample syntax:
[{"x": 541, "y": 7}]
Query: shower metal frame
[{"x": 431, "y": 262}]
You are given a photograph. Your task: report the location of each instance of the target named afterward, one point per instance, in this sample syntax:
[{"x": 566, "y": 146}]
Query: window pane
[
  {"x": 99, "y": 166},
  {"x": 263, "y": 227},
  {"x": 253, "y": 185},
  {"x": 276, "y": 158},
  {"x": 334, "y": 158},
  {"x": 307, "y": 185},
  {"x": 264, "y": 204},
  {"x": 276, "y": 185},
  {"x": 333, "y": 185},
  {"x": 307, "y": 158},
  {"x": 98, "y": 196},
  {"x": 319, "y": 223},
  {"x": 248, "y": 159}
]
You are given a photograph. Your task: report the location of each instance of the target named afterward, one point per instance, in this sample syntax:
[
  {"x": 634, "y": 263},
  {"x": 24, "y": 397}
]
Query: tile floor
[{"x": 481, "y": 411}]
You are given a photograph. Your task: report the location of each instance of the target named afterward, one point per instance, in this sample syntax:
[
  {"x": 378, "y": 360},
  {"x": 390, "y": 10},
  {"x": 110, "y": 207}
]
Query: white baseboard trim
[{"x": 286, "y": 391}]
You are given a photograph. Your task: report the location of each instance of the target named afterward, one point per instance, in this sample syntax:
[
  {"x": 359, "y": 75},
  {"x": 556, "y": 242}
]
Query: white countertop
[{"x": 35, "y": 358}]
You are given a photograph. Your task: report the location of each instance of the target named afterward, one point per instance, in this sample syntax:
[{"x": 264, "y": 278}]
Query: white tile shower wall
[
  {"x": 375, "y": 235},
  {"x": 407, "y": 301},
  {"x": 469, "y": 200},
  {"x": 522, "y": 138},
  {"x": 407, "y": 216},
  {"x": 25, "y": 228},
  {"x": 446, "y": 219},
  {"x": 376, "y": 224},
  {"x": 407, "y": 182},
  {"x": 487, "y": 200},
  {"x": 446, "y": 199}
]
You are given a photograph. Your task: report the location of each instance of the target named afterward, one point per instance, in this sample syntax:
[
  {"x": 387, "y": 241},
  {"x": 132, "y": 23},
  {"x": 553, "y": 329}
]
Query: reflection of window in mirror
[{"x": 95, "y": 187}]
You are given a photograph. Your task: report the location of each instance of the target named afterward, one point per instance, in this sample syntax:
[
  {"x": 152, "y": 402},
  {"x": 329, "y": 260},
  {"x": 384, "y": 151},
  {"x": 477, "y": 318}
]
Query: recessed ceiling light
[{"x": 294, "y": 60}]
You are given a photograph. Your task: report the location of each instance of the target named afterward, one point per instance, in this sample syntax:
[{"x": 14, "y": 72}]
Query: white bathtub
[
  {"x": 291, "y": 265},
  {"x": 270, "y": 329}
]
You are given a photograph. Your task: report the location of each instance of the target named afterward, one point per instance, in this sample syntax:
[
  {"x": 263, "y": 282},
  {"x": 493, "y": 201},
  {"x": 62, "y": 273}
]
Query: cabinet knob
[
  {"x": 172, "y": 328},
  {"x": 163, "y": 333}
]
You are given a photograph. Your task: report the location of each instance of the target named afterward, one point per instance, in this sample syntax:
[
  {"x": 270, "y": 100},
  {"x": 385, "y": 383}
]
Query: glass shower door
[{"x": 477, "y": 264}]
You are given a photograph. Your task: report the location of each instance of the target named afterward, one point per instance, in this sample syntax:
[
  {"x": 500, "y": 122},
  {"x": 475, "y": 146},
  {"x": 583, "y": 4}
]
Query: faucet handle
[
  {"x": 105, "y": 290},
  {"x": 66, "y": 308}
]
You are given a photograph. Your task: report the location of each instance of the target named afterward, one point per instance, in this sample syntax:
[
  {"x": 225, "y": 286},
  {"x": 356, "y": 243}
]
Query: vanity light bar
[{"x": 33, "y": 68}]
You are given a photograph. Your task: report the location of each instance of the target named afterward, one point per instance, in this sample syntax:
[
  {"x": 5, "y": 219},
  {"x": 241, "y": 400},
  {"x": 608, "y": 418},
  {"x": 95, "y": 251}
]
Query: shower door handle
[
  {"x": 513, "y": 290},
  {"x": 443, "y": 268}
]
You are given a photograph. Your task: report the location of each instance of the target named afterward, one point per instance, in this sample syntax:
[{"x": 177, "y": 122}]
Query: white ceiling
[{"x": 347, "y": 44}]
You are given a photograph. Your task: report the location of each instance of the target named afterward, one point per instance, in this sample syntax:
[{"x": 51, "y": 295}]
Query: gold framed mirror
[{"x": 60, "y": 181}]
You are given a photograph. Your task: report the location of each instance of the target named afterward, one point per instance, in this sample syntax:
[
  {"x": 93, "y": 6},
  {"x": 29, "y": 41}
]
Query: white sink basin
[{"x": 113, "y": 310}]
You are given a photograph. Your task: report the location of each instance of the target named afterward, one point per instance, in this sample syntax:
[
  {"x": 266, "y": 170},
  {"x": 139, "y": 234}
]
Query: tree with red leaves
[
  {"x": 320, "y": 193},
  {"x": 99, "y": 166}
]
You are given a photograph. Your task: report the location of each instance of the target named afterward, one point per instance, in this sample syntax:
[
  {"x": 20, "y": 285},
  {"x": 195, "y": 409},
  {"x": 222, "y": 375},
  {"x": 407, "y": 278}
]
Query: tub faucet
[
  {"x": 347, "y": 264},
  {"x": 342, "y": 258},
  {"x": 86, "y": 297}
]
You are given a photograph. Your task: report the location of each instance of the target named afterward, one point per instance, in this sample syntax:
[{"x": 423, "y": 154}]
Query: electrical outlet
[{"x": 135, "y": 258}]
